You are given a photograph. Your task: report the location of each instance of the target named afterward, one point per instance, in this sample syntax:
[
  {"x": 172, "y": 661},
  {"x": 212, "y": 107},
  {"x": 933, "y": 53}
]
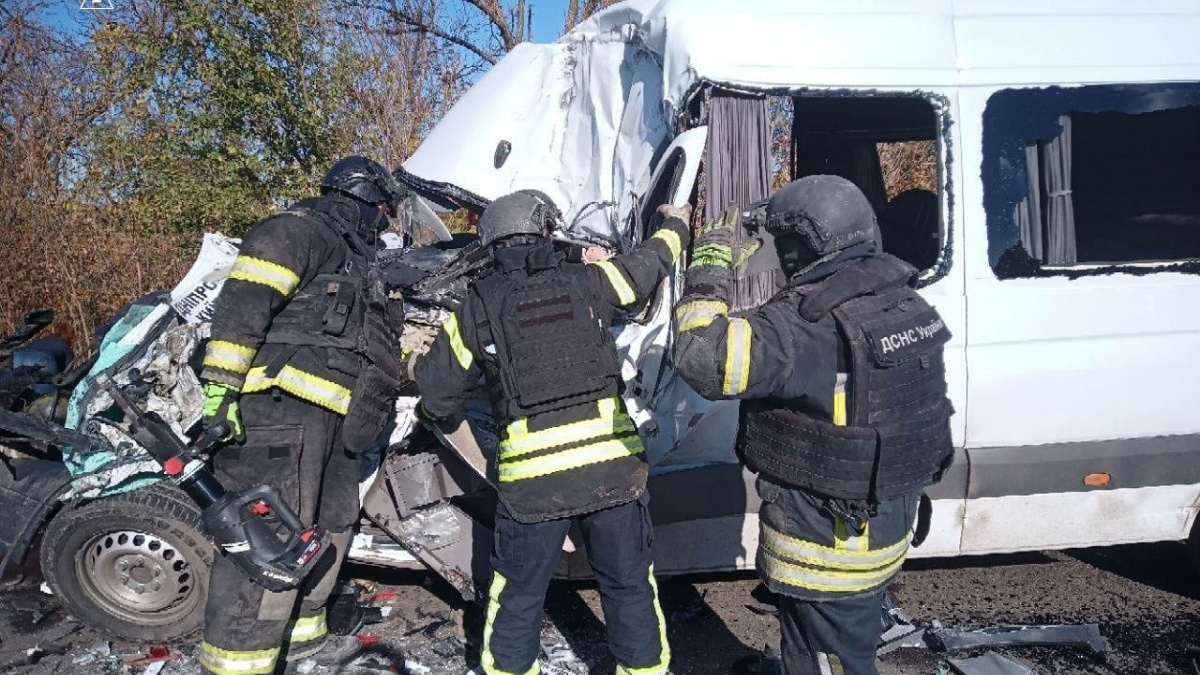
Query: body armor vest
[
  {"x": 896, "y": 439},
  {"x": 350, "y": 315},
  {"x": 552, "y": 346}
]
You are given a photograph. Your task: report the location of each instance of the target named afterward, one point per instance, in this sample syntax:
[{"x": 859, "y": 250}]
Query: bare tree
[{"x": 486, "y": 29}]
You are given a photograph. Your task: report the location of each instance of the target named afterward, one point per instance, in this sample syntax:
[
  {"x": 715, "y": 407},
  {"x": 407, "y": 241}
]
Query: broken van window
[
  {"x": 888, "y": 147},
  {"x": 1097, "y": 176}
]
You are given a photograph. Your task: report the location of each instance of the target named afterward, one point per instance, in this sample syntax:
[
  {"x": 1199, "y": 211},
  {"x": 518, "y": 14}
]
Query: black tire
[{"x": 134, "y": 566}]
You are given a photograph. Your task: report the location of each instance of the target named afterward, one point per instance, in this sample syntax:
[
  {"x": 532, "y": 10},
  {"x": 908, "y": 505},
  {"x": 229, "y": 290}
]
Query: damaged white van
[
  {"x": 1059, "y": 233},
  {"x": 1054, "y": 210}
]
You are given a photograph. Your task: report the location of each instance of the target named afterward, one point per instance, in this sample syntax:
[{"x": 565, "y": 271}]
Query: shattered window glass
[{"x": 1087, "y": 179}]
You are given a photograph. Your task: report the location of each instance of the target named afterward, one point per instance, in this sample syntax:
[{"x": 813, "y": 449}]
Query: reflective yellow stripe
[
  {"x": 309, "y": 628},
  {"x": 464, "y": 355},
  {"x": 699, "y": 314},
  {"x": 228, "y": 356},
  {"x": 671, "y": 239},
  {"x": 737, "y": 357},
  {"x": 519, "y": 441},
  {"x": 839, "y": 400},
  {"x": 664, "y": 656},
  {"x": 487, "y": 659},
  {"x": 265, "y": 272},
  {"x": 318, "y": 390},
  {"x": 823, "y": 579},
  {"x": 799, "y": 551},
  {"x": 616, "y": 278},
  {"x": 595, "y": 453},
  {"x": 843, "y": 540},
  {"x": 228, "y": 662}
]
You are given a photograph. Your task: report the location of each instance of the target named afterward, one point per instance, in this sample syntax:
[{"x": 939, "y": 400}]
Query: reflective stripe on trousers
[
  {"x": 308, "y": 628},
  {"x": 664, "y": 657},
  {"x": 487, "y": 659},
  {"x": 848, "y": 567},
  {"x": 229, "y": 662},
  {"x": 613, "y": 432}
]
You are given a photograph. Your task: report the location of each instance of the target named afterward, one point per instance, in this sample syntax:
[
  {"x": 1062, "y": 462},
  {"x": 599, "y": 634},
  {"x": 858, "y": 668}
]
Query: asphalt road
[{"x": 1145, "y": 599}]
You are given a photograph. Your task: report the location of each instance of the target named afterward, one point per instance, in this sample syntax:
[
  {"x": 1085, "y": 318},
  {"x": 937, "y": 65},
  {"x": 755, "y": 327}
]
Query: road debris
[
  {"x": 1086, "y": 636},
  {"x": 990, "y": 663}
]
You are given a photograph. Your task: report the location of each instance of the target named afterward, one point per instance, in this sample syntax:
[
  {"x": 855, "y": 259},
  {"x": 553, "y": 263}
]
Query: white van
[{"x": 1059, "y": 236}]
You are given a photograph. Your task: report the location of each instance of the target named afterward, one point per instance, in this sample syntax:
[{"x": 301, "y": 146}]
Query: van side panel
[{"x": 1060, "y": 370}]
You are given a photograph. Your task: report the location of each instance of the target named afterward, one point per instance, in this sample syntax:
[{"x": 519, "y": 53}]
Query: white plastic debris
[
  {"x": 154, "y": 668},
  {"x": 415, "y": 668},
  {"x": 45, "y": 587}
]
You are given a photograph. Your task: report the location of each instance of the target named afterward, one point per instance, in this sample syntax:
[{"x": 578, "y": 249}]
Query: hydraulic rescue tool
[{"x": 257, "y": 530}]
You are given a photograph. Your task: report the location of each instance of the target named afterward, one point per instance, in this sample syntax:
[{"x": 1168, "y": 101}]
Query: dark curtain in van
[{"x": 738, "y": 169}]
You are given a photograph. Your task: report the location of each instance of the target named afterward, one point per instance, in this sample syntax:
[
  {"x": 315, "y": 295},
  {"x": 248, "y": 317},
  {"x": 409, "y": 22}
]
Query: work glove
[
  {"x": 718, "y": 243},
  {"x": 221, "y": 406},
  {"x": 683, "y": 213}
]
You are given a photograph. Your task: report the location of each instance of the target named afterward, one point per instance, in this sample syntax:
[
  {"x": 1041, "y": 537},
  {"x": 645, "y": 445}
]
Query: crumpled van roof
[{"x": 583, "y": 118}]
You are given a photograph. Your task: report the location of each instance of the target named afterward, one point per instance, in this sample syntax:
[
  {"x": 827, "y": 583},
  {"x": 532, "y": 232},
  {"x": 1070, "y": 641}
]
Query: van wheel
[{"x": 134, "y": 566}]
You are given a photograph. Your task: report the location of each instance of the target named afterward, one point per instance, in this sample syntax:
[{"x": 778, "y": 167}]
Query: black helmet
[
  {"x": 364, "y": 179},
  {"x": 522, "y": 212},
  {"x": 829, "y": 212}
]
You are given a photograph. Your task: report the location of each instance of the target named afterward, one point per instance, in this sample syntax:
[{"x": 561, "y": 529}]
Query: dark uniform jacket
[
  {"x": 811, "y": 545},
  {"x": 294, "y": 312},
  {"x": 568, "y": 461}
]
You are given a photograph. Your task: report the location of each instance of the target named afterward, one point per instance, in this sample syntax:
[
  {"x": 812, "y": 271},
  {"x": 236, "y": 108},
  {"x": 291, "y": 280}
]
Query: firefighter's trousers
[
  {"x": 618, "y": 542},
  {"x": 295, "y": 447},
  {"x": 830, "y": 563}
]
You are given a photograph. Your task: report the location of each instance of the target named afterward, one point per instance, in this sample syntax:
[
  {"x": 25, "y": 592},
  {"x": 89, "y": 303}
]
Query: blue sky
[{"x": 547, "y": 17}]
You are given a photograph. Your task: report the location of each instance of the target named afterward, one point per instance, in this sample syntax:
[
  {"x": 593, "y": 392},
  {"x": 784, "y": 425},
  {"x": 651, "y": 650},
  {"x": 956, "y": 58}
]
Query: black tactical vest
[
  {"x": 897, "y": 434},
  {"x": 349, "y": 314},
  {"x": 552, "y": 345}
]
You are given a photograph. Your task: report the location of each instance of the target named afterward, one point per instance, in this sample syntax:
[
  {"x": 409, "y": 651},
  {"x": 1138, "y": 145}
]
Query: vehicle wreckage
[{"x": 657, "y": 101}]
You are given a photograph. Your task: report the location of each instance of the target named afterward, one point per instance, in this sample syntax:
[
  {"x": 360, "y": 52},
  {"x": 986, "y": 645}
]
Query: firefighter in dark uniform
[
  {"x": 844, "y": 415},
  {"x": 537, "y": 330},
  {"x": 303, "y": 367}
]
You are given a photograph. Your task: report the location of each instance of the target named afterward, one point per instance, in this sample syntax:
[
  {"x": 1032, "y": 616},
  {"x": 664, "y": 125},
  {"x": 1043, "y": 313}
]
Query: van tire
[{"x": 134, "y": 566}]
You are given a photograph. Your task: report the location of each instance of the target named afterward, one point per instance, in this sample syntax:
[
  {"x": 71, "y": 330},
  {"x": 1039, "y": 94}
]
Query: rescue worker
[
  {"x": 844, "y": 413},
  {"x": 303, "y": 367},
  {"x": 537, "y": 330}
]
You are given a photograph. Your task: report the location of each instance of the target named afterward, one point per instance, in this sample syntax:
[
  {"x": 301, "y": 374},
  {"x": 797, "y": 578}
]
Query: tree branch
[
  {"x": 417, "y": 24},
  {"x": 495, "y": 13}
]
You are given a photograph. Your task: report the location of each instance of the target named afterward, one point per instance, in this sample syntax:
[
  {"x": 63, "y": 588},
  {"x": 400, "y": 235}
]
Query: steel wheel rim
[{"x": 137, "y": 576}]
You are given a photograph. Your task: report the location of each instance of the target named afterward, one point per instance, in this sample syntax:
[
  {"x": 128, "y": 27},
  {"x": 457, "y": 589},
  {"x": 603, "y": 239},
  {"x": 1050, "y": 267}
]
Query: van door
[{"x": 660, "y": 407}]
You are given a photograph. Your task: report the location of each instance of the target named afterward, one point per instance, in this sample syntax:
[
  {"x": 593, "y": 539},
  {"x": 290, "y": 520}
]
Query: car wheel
[{"x": 134, "y": 566}]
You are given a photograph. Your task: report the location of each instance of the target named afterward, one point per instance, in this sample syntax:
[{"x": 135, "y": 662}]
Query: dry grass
[
  {"x": 84, "y": 271},
  {"x": 908, "y": 166}
]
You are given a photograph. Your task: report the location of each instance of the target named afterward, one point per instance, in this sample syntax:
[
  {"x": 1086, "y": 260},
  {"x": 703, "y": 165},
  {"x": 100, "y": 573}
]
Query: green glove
[
  {"x": 221, "y": 405},
  {"x": 717, "y": 244}
]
